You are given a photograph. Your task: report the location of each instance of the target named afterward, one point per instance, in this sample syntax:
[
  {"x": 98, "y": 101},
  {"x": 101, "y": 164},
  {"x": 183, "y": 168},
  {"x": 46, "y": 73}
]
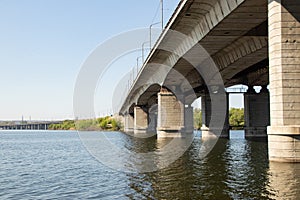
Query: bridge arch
[{"x": 149, "y": 96}]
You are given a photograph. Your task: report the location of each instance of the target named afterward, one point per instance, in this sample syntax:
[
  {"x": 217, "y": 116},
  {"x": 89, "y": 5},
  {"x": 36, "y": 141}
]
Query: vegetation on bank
[
  {"x": 236, "y": 118},
  {"x": 103, "y": 123},
  {"x": 197, "y": 118}
]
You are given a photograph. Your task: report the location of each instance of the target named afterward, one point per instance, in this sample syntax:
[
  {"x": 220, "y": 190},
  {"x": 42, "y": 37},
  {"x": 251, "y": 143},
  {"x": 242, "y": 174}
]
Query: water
[{"x": 55, "y": 165}]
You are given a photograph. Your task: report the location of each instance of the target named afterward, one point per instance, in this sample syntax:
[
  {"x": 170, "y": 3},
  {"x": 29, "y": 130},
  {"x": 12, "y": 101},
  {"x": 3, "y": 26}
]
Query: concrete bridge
[
  {"x": 29, "y": 126},
  {"x": 249, "y": 42}
]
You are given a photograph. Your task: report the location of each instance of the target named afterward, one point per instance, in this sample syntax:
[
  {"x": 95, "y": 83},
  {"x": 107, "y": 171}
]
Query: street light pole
[
  {"x": 143, "y": 55},
  {"x": 162, "y": 14},
  {"x": 128, "y": 84},
  {"x": 133, "y": 75},
  {"x": 151, "y": 33},
  {"x": 137, "y": 64}
]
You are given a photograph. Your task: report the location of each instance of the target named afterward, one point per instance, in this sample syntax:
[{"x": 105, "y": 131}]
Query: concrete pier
[
  {"x": 152, "y": 118},
  {"x": 188, "y": 119},
  {"x": 257, "y": 113},
  {"x": 284, "y": 71},
  {"x": 170, "y": 119},
  {"x": 140, "y": 120},
  {"x": 208, "y": 129},
  {"x": 128, "y": 123}
]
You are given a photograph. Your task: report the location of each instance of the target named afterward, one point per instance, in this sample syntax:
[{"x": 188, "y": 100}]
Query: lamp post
[
  {"x": 151, "y": 32},
  {"x": 132, "y": 76},
  {"x": 128, "y": 85},
  {"x": 162, "y": 14},
  {"x": 143, "y": 55},
  {"x": 137, "y": 64}
]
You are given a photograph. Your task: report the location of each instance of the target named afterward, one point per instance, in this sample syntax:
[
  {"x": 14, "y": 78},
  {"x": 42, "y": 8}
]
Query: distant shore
[{"x": 100, "y": 124}]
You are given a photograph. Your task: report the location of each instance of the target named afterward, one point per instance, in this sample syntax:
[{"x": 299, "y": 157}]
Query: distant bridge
[{"x": 30, "y": 126}]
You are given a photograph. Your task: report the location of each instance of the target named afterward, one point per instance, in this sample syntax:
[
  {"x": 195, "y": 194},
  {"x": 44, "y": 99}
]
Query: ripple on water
[{"x": 55, "y": 165}]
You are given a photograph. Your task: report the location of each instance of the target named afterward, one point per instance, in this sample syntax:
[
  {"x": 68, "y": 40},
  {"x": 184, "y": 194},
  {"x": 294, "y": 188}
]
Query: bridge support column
[
  {"x": 284, "y": 58},
  {"x": 257, "y": 113},
  {"x": 152, "y": 119},
  {"x": 213, "y": 132},
  {"x": 170, "y": 115},
  {"x": 128, "y": 123},
  {"x": 189, "y": 119},
  {"x": 140, "y": 120}
]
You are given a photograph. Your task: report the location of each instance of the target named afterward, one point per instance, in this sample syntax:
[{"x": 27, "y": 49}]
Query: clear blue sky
[{"x": 44, "y": 43}]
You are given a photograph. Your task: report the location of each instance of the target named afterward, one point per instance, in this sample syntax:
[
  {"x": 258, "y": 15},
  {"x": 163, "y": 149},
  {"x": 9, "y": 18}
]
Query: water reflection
[
  {"x": 247, "y": 168},
  {"x": 234, "y": 169},
  {"x": 56, "y": 165},
  {"x": 284, "y": 180}
]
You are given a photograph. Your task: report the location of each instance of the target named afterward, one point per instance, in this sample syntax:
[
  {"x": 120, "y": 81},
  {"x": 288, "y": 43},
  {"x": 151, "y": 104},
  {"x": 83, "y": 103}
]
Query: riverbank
[{"x": 99, "y": 124}]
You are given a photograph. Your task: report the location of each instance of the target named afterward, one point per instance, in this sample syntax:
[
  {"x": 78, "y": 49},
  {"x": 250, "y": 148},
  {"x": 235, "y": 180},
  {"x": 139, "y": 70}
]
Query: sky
[{"x": 44, "y": 44}]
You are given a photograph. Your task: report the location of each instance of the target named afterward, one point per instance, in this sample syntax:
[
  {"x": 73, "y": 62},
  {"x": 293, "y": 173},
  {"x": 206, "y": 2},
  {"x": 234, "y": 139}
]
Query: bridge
[
  {"x": 210, "y": 45},
  {"x": 28, "y": 126}
]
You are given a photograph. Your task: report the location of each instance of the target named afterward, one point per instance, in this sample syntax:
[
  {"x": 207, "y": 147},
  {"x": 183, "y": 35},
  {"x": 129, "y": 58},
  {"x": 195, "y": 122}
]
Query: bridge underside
[{"x": 249, "y": 42}]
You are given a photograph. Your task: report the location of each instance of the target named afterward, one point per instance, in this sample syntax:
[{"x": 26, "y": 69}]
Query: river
[{"x": 56, "y": 165}]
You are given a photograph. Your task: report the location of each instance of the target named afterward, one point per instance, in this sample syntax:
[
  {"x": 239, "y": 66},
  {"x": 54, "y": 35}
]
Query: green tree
[
  {"x": 197, "y": 118},
  {"x": 103, "y": 124},
  {"x": 65, "y": 125},
  {"x": 115, "y": 125},
  {"x": 68, "y": 125},
  {"x": 236, "y": 117}
]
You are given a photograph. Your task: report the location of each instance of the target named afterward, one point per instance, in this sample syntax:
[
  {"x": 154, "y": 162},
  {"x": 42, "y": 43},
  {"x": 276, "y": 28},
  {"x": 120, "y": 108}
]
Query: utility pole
[
  {"x": 137, "y": 64},
  {"x": 151, "y": 33},
  {"x": 162, "y": 14},
  {"x": 143, "y": 48}
]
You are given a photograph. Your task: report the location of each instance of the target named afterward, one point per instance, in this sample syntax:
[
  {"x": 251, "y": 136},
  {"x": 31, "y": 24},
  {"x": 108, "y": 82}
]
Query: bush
[
  {"x": 197, "y": 118},
  {"x": 104, "y": 123},
  {"x": 236, "y": 117}
]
